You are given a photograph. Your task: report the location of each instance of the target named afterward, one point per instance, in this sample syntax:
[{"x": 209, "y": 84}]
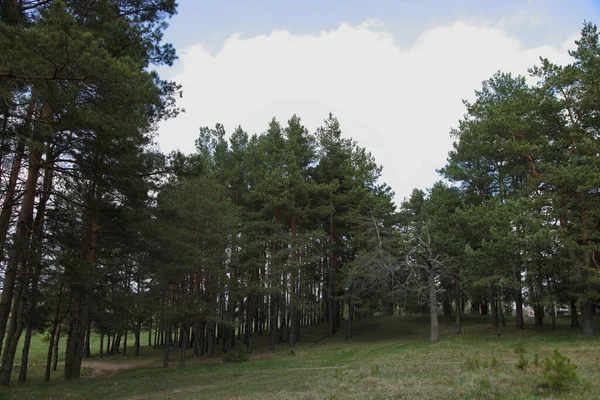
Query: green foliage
[
  {"x": 237, "y": 355},
  {"x": 472, "y": 363},
  {"x": 519, "y": 348},
  {"x": 375, "y": 370},
  {"x": 522, "y": 363},
  {"x": 44, "y": 337},
  {"x": 559, "y": 372},
  {"x": 494, "y": 364}
]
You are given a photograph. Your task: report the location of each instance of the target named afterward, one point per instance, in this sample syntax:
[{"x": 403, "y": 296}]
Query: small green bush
[
  {"x": 237, "y": 354},
  {"x": 45, "y": 337},
  {"x": 559, "y": 371},
  {"x": 519, "y": 348},
  {"x": 472, "y": 363},
  {"x": 522, "y": 363},
  {"x": 495, "y": 363},
  {"x": 375, "y": 370}
]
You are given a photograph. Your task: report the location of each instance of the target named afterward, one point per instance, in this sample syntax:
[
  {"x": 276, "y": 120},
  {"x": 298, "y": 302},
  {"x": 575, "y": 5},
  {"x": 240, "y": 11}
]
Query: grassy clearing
[{"x": 388, "y": 358}]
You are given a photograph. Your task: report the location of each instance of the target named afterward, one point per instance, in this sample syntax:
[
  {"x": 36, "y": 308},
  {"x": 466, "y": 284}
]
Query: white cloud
[{"x": 398, "y": 103}]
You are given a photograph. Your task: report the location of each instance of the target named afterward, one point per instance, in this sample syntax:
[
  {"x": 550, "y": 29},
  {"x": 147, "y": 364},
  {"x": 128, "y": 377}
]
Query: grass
[{"x": 388, "y": 358}]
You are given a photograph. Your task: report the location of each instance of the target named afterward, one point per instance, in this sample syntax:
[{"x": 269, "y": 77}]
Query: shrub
[
  {"x": 522, "y": 363},
  {"x": 559, "y": 371},
  {"x": 519, "y": 348},
  {"x": 472, "y": 363},
  {"x": 495, "y": 363},
  {"x": 45, "y": 337},
  {"x": 237, "y": 354},
  {"x": 375, "y": 370}
]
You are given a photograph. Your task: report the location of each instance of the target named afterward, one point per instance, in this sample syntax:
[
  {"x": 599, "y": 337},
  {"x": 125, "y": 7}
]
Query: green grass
[{"x": 388, "y": 358}]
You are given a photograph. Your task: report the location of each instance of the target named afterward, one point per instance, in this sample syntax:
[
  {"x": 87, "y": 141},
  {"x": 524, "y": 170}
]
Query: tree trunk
[
  {"x": 433, "y": 308},
  {"x": 184, "y": 345},
  {"x": 25, "y": 355},
  {"x": 167, "y": 346},
  {"x": 574, "y": 316},
  {"x": 55, "y": 348},
  {"x": 350, "y": 320},
  {"x": 519, "y": 308},
  {"x": 15, "y": 328},
  {"x": 587, "y": 318},
  {"x": 458, "y": 322},
  {"x": 88, "y": 338},
  {"x": 494, "y": 309},
  {"x": 21, "y": 241},
  {"x": 210, "y": 338},
  {"x": 7, "y": 204},
  {"x": 101, "y": 345},
  {"x": 80, "y": 307},
  {"x": 538, "y": 310},
  {"x": 36, "y": 263},
  {"x": 76, "y": 334},
  {"x": 138, "y": 333},
  {"x": 273, "y": 323},
  {"x": 292, "y": 334},
  {"x": 125, "y": 342}
]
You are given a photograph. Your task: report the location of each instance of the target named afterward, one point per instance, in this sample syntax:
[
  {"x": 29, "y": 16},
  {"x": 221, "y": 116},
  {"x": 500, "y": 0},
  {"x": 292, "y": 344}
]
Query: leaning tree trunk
[
  {"x": 15, "y": 328},
  {"x": 21, "y": 241},
  {"x": 8, "y": 203},
  {"x": 18, "y": 271}
]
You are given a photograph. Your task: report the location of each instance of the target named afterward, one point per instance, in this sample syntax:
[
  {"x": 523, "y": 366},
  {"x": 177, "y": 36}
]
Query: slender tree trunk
[
  {"x": 292, "y": 334},
  {"x": 210, "y": 338},
  {"x": 21, "y": 241},
  {"x": 167, "y": 346},
  {"x": 435, "y": 336},
  {"x": 538, "y": 309},
  {"x": 350, "y": 320},
  {"x": 15, "y": 328},
  {"x": 587, "y": 318},
  {"x": 273, "y": 323},
  {"x": 101, "y": 345},
  {"x": 56, "y": 347},
  {"x": 184, "y": 345},
  {"x": 88, "y": 338},
  {"x": 574, "y": 316},
  {"x": 493, "y": 307},
  {"x": 80, "y": 309},
  {"x": 138, "y": 333},
  {"x": 8, "y": 203},
  {"x": 36, "y": 263},
  {"x": 519, "y": 308},
  {"x": 125, "y": 342},
  {"x": 458, "y": 322}
]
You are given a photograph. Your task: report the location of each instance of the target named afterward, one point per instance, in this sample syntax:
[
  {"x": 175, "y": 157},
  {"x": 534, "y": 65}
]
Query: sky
[{"x": 394, "y": 73}]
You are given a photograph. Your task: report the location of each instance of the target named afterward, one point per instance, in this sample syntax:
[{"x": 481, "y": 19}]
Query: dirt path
[{"x": 108, "y": 367}]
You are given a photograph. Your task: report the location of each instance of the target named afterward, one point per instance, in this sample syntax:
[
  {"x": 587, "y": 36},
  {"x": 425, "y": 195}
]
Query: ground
[{"x": 388, "y": 358}]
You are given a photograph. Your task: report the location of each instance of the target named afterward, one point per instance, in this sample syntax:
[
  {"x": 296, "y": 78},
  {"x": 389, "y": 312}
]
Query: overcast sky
[{"x": 393, "y": 72}]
